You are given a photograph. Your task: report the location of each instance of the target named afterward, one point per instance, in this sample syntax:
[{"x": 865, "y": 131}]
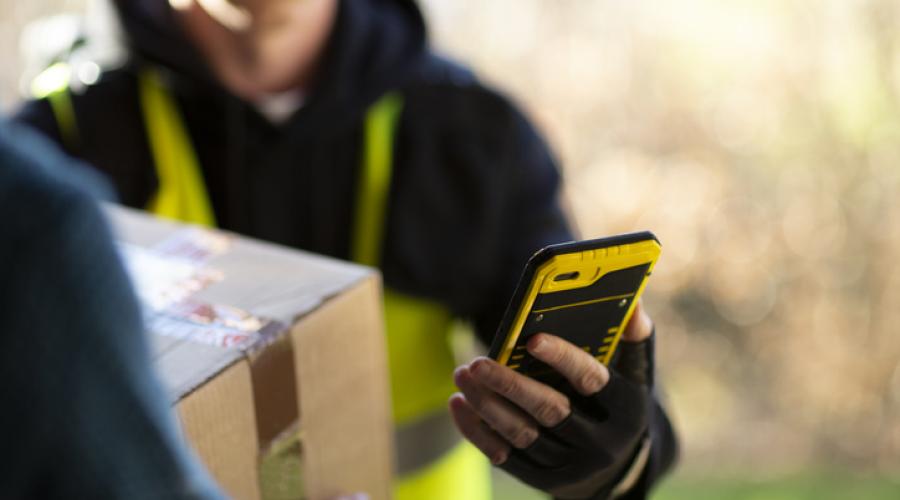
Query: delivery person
[{"x": 330, "y": 126}]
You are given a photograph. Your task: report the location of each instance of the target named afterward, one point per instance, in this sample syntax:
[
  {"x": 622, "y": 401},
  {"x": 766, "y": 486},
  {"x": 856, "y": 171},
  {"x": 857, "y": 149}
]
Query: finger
[
  {"x": 507, "y": 420},
  {"x": 616, "y": 413},
  {"x": 476, "y": 431},
  {"x": 635, "y": 361},
  {"x": 640, "y": 326},
  {"x": 586, "y": 374},
  {"x": 550, "y": 452},
  {"x": 547, "y": 405}
]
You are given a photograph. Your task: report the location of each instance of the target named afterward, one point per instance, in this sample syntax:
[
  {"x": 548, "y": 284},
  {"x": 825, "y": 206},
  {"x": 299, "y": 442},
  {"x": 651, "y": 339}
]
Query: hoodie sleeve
[
  {"x": 536, "y": 219},
  {"x": 91, "y": 419}
]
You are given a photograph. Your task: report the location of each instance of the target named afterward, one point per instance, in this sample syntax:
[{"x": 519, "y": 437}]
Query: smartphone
[{"x": 582, "y": 291}]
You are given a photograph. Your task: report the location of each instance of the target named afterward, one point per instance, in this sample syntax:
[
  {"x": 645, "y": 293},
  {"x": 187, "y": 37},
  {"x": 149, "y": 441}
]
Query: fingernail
[
  {"x": 539, "y": 345},
  {"x": 479, "y": 367},
  {"x": 498, "y": 458},
  {"x": 459, "y": 376}
]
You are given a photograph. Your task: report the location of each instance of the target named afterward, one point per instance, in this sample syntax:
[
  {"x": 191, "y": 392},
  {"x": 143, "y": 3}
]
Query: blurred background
[{"x": 760, "y": 140}]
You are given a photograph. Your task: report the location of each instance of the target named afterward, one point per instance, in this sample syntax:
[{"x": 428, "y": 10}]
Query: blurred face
[{"x": 258, "y": 47}]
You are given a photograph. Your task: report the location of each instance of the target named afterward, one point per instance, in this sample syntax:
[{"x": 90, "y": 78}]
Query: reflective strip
[
  {"x": 375, "y": 179},
  {"x": 424, "y": 442},
  {"x": 64, "y": 110},
  {"x": 53, "y": 84},
  {"x": 421, "y": 360},
  {"x": 53, "y": 79},
  {"x": 462, "y": 473},
  {"x": 181, "y": 194}
]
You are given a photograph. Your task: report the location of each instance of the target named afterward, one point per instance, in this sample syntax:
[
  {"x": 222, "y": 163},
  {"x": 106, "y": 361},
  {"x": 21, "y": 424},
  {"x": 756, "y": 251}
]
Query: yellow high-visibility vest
[{"x": 433, "y": 463}]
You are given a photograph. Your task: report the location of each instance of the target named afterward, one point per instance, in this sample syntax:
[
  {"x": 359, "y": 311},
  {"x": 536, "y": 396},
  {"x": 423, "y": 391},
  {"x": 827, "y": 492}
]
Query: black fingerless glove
[{"x": 587, "y": 454}]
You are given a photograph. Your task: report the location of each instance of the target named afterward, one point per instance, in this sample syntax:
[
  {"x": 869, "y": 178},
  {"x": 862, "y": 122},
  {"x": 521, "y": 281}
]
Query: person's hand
[{"x": 570, "y": 445}]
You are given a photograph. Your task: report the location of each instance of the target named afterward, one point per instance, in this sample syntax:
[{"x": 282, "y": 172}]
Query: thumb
[
  {"x": 640, "y": 326},
  {"x": 634, "y": 360}
]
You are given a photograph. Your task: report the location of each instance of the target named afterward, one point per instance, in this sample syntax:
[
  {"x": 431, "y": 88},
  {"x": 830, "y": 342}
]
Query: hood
[{"x": 375, "y": 46}]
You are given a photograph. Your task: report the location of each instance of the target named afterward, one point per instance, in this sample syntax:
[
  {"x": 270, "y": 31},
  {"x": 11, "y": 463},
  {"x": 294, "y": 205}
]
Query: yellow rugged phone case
[{"x": 584, "y": 292}]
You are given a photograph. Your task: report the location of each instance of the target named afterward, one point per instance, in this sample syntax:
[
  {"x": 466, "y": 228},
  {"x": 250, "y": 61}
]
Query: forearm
[{"x": 635, "y": 471}]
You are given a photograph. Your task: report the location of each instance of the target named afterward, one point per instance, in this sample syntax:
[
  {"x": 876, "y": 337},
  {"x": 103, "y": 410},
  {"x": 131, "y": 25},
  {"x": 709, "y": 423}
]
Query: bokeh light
[{"x": 761, "y": 141}]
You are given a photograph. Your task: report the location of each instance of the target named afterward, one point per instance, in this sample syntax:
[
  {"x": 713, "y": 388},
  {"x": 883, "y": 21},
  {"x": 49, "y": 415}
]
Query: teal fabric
[{"x": 83, "y": 414}]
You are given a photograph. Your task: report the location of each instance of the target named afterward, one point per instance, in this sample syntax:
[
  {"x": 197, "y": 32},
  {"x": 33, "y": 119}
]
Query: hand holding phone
[{"x": 546, "y": 410}]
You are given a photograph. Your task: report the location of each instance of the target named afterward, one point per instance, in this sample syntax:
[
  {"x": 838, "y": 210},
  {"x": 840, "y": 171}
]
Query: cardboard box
[{"x": 252, "y": 341}]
